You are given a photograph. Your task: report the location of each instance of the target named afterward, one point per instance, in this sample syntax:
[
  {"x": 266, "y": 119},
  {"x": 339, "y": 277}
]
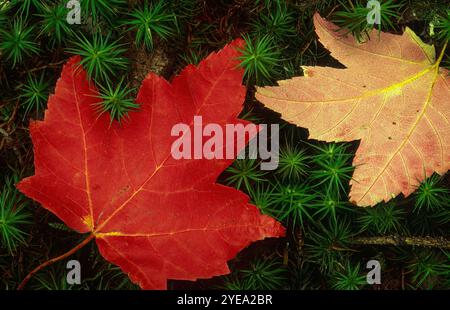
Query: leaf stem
[
  {"x": 441, "y": 56},
  {"x": 54, "y": 260}
]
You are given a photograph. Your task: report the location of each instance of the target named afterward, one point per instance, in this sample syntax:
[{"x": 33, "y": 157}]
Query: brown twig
[
  {"x": 435, "y": 242},
  {"x": 50, "y": 65}
]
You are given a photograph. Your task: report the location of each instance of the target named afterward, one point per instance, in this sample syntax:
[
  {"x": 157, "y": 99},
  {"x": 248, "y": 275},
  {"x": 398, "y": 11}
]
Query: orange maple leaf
[{"x": 392, "y": 95}]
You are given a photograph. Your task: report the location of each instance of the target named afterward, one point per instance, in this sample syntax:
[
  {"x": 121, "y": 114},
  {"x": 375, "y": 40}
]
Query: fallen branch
[{"x": 435, "y": 242}]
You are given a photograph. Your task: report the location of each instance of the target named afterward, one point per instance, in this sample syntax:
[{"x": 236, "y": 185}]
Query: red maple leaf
[{"x": 156, "y": 217}]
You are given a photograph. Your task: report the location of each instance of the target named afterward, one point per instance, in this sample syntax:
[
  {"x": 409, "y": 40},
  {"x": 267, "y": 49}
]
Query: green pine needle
[
  {"x": 382, "y": 219},
  {"x": 192, "y": 57},
  {"x": 431, "y": 195},
  {"x": 326, "y": 246},
  {"x": 151, "y": 20},
  {"x": 107, "y": 276},
  {"x": 328, "y": 205},
  {"x": 443, "y": 26},
  {"x": 51, "y": 280},
  {"x": 265, "y": 274},
  {"x": 263, "y": 198},
  {"x": 443, "y": 216},
  {"x": 331, "y": 151},
  {"x": 260, "y": 59},
  {"x": 102, "y": 57},
  {"x": 234, "y": 283},
  {"x": 292, "y": 163},
  {"x": 54, "y": 24},
  {"x": 244, "y": 173},
  {"x": 13, "y": 216},
  {"x": 293, "y": 202},
  {"x": 423, "y": 222},
  {"x": 333, "y": 169},
  {"x": 277, "y": 22},
  {"x": 117, "y": 101},
  {"x": 34, "y": 95},
  {"x": 353, "y": 18},
  {"x": 348, "y": 278},
  {"x": 16, "y": 42},
  {"x": 26, "y": 6},
  {"x": 427, "y": 267},
  {"x": 106, "y": 9}
]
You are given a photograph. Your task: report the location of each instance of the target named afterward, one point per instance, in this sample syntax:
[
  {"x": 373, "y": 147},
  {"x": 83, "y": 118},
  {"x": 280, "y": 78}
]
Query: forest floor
[{"x": 296, "y": 262}]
